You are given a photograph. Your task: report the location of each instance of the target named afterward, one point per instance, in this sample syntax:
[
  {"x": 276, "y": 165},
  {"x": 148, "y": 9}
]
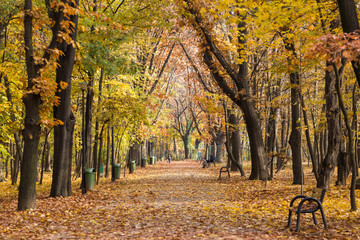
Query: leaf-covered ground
[{"x": 180, "y": 200}]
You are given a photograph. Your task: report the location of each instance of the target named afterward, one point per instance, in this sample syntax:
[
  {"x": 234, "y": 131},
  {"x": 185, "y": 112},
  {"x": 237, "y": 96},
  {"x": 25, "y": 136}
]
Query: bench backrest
[{"x": 319, "y": 193}]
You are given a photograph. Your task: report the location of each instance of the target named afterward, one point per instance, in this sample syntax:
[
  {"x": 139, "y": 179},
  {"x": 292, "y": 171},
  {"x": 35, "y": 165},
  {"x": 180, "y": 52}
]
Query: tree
[
  {"x": 63, "y": 134},
  {"x": 32, "y": 99},
  {"x": 183, "y": 125},
  {"x": 295, "y": 136},
  {"x": 218, "y": 64}
]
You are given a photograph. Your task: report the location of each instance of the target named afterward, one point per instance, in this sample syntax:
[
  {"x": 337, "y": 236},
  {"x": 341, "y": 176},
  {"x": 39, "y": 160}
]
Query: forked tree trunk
[{"x": 63, "y": 134}]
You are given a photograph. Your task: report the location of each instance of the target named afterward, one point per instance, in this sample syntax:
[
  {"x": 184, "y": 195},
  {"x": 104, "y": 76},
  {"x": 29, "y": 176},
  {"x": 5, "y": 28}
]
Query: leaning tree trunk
[
  {"x": 253, "y": 126},
  {"x": 239, "y": 91}
]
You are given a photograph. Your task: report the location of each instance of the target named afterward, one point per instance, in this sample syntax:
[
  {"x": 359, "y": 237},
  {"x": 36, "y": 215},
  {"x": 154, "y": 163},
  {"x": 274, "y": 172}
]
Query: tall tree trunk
[
  {"x": 334, "y": 130},
  {"x": 108, "y": 152},
  {"x": 47, "y": 163},
  {"x": 186, "y": 139},
  {"x": 343, "y": 168},
  {"x": 257, "y": 149},
  {"x": 295, "y": 136},
  {"x": 175, "y": 149},
  {"x": 281, "y": 159},
  {"x": 46, "y": 144},
  {"x": 314, "y": 161},
  {"x": 63, "y": 134},
  {"x": 235, "y": 141},
  {"x": 99, "y": 160},
  {"x": 31, "y": 133},
  {"x": 2, "y": 175},
  {"x": 351, "y": 140},
  {"x": 88, "y": 121},
  {"x": 112, "y": 154},
  {"x": 15, "y": 165},
  {"x": 96, "y": 140}
]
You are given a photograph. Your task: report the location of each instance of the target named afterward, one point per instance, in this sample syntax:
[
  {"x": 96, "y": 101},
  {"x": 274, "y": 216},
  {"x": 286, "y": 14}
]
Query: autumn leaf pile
[{"x": 180, "y": 200}]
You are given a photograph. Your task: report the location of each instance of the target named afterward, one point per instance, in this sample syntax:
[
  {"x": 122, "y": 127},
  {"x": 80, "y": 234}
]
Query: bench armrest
[{"x": 297, "y": 197}]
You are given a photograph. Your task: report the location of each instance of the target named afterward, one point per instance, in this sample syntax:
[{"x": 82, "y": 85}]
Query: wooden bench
[
  {"x": 308, "y": 205},
  {"x": 224, "y": 169}
]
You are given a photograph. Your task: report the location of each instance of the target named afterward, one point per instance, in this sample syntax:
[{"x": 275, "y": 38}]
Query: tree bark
[
  {"x": 31, "y": 133},
  {"x": 63, "y": 134},
  {"x": 96, "y": 140},
  {"x": 233, "y": 138},
  {"x": 88, "y": 122},
  {"x": 315, "y": 163},
  {"x": 334, "y": 130},
  {"x": 295, "y": 135},
  {"x": 108, "y": 152}
]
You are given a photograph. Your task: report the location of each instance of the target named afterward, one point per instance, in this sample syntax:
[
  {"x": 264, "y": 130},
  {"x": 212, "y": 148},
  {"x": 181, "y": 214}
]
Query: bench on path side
[
  {"x": 308, "y": 205},
  {"x": 224, "y": 169}
]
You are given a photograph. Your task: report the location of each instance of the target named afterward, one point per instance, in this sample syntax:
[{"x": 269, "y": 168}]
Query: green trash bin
[
  {"x": 143, "y": 162},
  {"x": 117, "y": 169},
  {"x": 152, "y": 161},
  {"x": 89, "y": 179},
  {"x": 155, "y": 160},
  {"x": 101, "y": 171},
  {"x": 132, "y": 166}
]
